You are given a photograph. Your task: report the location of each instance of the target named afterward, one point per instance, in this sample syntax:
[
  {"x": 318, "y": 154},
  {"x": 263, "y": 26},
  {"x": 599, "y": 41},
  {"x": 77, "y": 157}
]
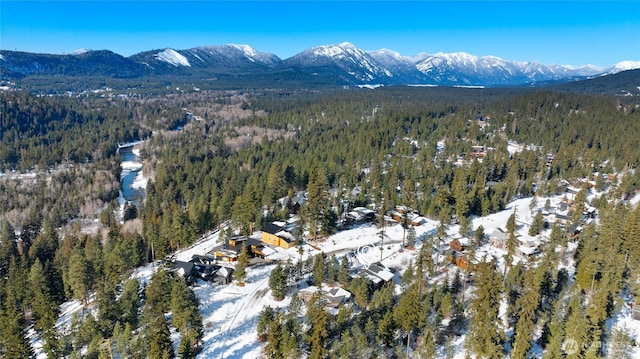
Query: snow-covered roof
[
  {"x": 380, "y": 271},
  {"x": 224, "y": 272},
  {"x": 499, "y": 235}
]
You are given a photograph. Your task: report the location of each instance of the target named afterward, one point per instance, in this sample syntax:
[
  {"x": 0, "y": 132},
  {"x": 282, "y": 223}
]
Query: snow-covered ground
[{"x": 230, "y": 312}]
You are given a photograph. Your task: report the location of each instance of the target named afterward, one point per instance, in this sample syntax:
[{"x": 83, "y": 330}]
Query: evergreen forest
[{"x": 224, "y": 159}]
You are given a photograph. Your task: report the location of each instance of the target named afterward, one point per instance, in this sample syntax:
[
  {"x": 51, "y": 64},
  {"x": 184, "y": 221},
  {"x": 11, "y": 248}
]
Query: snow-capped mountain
[
  {"x": 460, "y": 68},
  {"x": 622, "y": 66},
  {"x": 337, "y": 64},
  {"x": 231, "y": 53},
  {"x": 355, "y": 62},
  {"x": 172, "y": 57},
  {"x": 80, "y": 51},
  {"x": 227, "y": 58}
]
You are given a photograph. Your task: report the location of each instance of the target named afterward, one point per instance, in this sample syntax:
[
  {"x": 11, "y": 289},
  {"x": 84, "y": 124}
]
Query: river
[{"x": 132, "y": 182}]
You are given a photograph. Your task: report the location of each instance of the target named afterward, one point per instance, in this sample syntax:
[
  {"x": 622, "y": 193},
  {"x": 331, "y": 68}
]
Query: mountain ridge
[{"x": 342, "y": 64}]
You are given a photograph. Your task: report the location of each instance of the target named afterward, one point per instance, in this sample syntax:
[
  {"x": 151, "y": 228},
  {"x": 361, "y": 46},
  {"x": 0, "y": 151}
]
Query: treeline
[
  {"x": 40, "y": 275},
  {"x": 44, "y": 132}
]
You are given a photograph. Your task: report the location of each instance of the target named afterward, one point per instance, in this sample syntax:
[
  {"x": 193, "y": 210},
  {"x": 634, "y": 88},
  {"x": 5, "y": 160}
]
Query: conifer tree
[
  {"x": 108, "y": 310},
  {"x": 343, "y": 273},
  {"x": 479, "y": 235},
  {"x": 240, "y": 270},
  {"x": 158, "y": 292},
  {"x": 409, "y": 313},
  {"x": 386, "y": 329},
  {"x": 158, "y": 335},
  {"x": 278, "y": 282},
  {"x": 184, "y": 307},
  {"x": 411, "y": 237},
  {"x": 319, "y": 270},
  {"x": 265, "y": 318},
  {"x": 13, "y": 339},
  {"x": 318, "y": 319},
  {"x": 129, "y": 303},
  {"x": 78, "y": 278},
  {"x": 44, "y": 309},
  {"x": 485, "y": 337},
  {"x": 316, "y": 206},
  {"x": 537, "y": 225},
  {"x": 427, "y": 349},
  {"x": 577, "y": 327},
  {"x": 8, "y": 248},
  {"x": 527, "y": 305}
]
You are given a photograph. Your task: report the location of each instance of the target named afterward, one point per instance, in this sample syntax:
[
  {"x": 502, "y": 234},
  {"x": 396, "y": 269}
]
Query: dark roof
[
  {"x": 272, "y": 228},
  {"x": 239, "y": 240},
  {"x": 185, "y": 267},
  {"x": 377, "y": 267}
]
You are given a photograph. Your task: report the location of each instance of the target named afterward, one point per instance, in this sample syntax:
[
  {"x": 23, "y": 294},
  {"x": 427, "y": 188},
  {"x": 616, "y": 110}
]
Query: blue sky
[{"x": 561, "y": 32}]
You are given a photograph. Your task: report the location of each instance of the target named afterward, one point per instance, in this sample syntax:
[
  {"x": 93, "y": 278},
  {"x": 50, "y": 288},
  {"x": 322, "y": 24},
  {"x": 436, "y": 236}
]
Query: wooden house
[
  {"x": 456, "y": 245},
  {"x": 232, "y": 248},
  {"x": 498, "y": 239},
  {"x": 275, "y": 234},
  {"x": 459, "y": 260},
  {"x": 331, "y": 297},
  {"x": 527, "y": 250}
]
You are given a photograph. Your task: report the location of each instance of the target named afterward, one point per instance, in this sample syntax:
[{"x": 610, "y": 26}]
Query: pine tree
[
  {"x": 409, "y": 313},
  {"x": 319, "y": 270},
  {"x": 181, "y": 304},
  {"x": 537, "y": 225},
  {"x": 158, "y": 292},
  {"x": 485, "y": 337},
  {"x": 44, "y": 309},
  {"x": 8, "y": 248},
  {"x": 316, "y": 205},
  {"x": 278, "y": 282},
  {"x": 186, "y": 348},
  {"x": 158, "y": 336},
  {"x": 386, "y": 329},
  {"x": 265, "y": 318},
  {"x": 108, "y": 310},
  {"x": 511, "y": 223},
  {"x": 186, "y": 317},
  {"x": 479, "y": 235},
  {"x": 427, "y": 349},
  {"x": 13, "y": 340},
  {"x": 527, "y": 305},
  {"x": 411, "y": 237},
  {"x": 534, "y": 203},
  {"x": 78, "y": 277},
  {"x": 343, "y": 273},
  {"x": 318, "y": 319},
  {"x": 576, "y": 327},
  {"x": 129, "y": 303},
  {"x": 240, "y": 270}
]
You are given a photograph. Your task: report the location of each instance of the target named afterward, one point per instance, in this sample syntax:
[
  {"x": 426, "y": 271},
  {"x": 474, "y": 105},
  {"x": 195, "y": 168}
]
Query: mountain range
[{"x": 338, "y": 64}]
